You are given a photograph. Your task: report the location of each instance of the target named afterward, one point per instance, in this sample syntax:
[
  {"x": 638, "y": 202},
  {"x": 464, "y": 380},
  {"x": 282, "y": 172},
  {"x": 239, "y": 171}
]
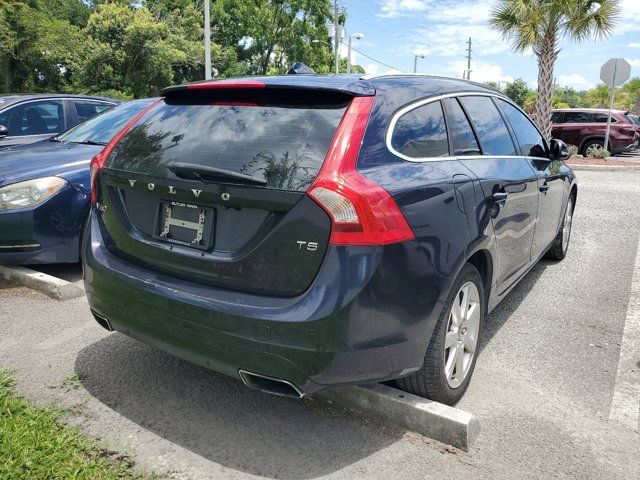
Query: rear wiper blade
[{"x": 203, "y": 173}]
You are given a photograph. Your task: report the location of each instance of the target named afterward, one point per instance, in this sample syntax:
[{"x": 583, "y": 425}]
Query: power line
[{"x": 375, "y": 59}]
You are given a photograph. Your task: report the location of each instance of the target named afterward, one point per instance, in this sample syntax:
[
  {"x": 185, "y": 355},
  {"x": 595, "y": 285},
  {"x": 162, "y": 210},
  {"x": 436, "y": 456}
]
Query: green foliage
[
  {"x": 573, "y": 150},
  {"x": 517, "y": 91},
  {"x": 596, "y": 151},
  {"x": 134, "y": 49},
  {"x": 35, "y": 444}
]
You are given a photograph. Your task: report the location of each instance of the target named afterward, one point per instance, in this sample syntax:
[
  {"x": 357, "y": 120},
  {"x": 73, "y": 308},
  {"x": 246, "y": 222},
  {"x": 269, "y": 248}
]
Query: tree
[
  {"x": 631, "y": 91},
  {"x": 599, "y": 96},
  {"x": 517, "y": 91},
  {"x": 541, "y": 24}
]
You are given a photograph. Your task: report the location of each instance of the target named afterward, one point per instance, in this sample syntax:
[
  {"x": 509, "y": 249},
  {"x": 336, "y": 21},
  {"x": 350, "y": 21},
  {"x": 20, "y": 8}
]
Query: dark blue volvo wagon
[{"x": 304, "y": 231}]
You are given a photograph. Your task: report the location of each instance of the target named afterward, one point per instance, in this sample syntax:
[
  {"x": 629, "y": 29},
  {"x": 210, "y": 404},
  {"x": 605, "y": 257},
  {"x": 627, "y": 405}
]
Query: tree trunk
[{"x": 547, "y": 53}]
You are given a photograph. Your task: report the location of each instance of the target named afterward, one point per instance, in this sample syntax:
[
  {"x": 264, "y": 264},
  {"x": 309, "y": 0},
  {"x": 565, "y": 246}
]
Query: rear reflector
[
  {"x": 362, "y": 212},
  {"x": 97, "y": 162}
]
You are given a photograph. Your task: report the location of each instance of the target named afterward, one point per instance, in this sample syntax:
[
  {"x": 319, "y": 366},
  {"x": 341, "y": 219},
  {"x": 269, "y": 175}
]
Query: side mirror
[
  {"x": 558, "y": 150},
  {"x": 3, "y": 131}
]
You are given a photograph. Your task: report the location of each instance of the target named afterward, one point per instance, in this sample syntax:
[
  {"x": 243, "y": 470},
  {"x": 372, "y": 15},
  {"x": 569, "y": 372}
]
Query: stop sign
[{"x": 615, "y": 72}]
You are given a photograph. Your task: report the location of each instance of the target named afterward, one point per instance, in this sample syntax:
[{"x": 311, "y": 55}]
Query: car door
[
  {"x": 31, "y": 121},
  {"x": 550, "y": 177},
  {"x": 509, "y": 186}
]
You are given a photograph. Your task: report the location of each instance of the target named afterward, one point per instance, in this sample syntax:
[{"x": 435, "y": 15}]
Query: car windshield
[{"x": 101, "y": 128}]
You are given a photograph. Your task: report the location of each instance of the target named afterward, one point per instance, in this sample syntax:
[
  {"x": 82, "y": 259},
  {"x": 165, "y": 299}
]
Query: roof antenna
[{"x": 299, "y": 68}]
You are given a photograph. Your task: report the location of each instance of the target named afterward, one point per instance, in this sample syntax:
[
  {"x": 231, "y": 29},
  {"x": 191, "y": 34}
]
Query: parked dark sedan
[
  {"x": 304, "y": 231},
  {"x": 45, "y": 189},
  {"x": 31, "y": 118}
]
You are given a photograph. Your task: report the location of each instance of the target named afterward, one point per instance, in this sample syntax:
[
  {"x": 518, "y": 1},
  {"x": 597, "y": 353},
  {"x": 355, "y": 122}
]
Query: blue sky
[{"x": 395, "y": 29}]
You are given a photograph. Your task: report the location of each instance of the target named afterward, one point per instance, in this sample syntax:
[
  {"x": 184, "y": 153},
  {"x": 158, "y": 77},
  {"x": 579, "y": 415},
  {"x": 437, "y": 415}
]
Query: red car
[{"x": 585, "y": 127}]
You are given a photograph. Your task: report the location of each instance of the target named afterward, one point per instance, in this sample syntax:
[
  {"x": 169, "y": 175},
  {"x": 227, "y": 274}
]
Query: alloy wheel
[
  {"x": 566, "y": 228},
  {"x": 461, "y": 338}
]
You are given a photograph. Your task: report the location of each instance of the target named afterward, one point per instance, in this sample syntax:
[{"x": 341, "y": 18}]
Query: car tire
[
  {"x": 589, "y": 144},
  {"x": 560, "y": 245},
  {"x": 439, "y": 378}
]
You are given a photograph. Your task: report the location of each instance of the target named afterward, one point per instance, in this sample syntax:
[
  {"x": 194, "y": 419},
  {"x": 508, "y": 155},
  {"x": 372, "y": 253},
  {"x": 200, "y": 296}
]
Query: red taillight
[
  {"x": 362, "y": 212},
  {"x": 97, "y": 162}
]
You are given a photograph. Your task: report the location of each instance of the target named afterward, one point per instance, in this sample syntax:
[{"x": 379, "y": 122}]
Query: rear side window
[
  {"x": 492, "y": 131},
  {"x": 603, "y": 118},
  {"x": 87, "y": 109},
  {"x": 462, "y": 136},
  {"x": 421, "y": 132},
  {"x": 284, "y": 144},
  {"x": 531, "y": 141}
]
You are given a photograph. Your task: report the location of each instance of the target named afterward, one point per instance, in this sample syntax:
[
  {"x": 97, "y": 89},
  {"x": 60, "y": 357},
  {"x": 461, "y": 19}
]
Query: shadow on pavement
[
  {"x": 219, "y": 418},
  {"x": 501, "y": 314}
]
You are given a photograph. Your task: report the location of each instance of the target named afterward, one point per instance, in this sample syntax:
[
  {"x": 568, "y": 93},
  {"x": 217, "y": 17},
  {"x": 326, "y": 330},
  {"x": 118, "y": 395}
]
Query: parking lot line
[{"x": 625, "y": 405}]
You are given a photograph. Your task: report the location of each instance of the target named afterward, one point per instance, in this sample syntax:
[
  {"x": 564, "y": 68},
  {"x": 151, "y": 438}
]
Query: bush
[
  {"x": 573, "y": 150},
  {"x": 596, "y": 151}
]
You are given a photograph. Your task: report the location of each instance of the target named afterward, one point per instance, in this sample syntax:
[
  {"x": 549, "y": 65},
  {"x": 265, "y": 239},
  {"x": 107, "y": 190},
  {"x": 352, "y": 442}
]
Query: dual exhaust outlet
[{"x": 255, "y": 381}]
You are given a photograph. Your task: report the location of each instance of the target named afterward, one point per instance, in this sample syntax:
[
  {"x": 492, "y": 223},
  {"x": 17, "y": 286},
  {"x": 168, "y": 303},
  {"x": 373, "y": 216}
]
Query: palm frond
[{"x": 591, "y": 18}]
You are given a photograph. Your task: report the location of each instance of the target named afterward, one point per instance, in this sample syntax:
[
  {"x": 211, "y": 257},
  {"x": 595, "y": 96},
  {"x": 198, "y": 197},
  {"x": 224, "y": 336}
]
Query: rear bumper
[
  {"x": 359, "y": 322},
  {"x": 46, "y": 233}
]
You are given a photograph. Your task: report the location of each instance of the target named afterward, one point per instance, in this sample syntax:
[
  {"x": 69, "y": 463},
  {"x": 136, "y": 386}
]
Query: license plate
[{"x": 186, "y": 224}]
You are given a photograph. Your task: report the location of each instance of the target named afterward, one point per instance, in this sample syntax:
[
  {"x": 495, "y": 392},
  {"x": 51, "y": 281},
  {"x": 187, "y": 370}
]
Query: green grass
[
  {"x": 35, "y": 444},
  {"x": 72, "y": 382}
]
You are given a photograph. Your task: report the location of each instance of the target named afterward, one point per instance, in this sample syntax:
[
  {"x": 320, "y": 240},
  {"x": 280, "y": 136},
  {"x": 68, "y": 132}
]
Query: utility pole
[
  {"x": 207, "y": 41},
  {"x": 467, "y": 73},
  {"x": 336, "y": 35}
]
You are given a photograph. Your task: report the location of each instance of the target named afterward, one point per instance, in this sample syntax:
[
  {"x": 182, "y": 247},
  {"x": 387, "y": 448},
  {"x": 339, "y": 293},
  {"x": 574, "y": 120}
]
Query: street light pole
[
  {"x": 357, "y": 36},
  {"x": 207, "y": 41},
  {"x": 415, "y": 61},
  {"x": 336, "y": 35}
]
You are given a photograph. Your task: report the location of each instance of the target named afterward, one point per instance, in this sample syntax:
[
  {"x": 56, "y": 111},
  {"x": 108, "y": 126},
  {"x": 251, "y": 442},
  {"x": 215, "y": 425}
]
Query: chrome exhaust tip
[
  {"x": 102, "y": 321},
  {"x": 274, "y": 386}
]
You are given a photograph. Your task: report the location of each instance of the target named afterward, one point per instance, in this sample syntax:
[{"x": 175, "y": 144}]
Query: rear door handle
[
  {"x": 544, "y": 188},
  {"x": 500, "y": 196}
]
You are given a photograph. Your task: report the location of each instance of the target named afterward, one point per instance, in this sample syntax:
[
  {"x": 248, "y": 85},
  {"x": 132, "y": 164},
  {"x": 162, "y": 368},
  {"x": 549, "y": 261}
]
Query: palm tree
[
  {"x": 541, "y": 24},
  {"x": 632, "y": 91}
]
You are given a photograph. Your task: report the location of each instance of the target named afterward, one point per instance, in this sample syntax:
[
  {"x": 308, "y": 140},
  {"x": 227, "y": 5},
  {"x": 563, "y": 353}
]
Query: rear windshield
[{"x": 283, "y": 144}]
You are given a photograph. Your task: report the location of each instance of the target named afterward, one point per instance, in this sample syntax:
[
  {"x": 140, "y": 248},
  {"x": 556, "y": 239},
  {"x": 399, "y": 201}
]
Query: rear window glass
[
  {"x": 421, "y": 133},
  {"x": 283, "y": 144}
]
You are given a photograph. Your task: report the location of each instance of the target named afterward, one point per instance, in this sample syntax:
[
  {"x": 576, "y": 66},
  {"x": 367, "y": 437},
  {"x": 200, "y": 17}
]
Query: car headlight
[{"x": 29, "y": 193}]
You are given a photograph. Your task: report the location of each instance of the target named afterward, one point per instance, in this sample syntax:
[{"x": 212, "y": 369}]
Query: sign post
[{"x": 614, "y": 73}]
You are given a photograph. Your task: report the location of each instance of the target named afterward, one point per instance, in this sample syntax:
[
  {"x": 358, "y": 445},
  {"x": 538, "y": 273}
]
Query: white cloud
[
  {"x": 628, "y": 20},
  {"x": 634, "y": 62},
  {"x": 574, "y": 81},
  {"x": 372, "y": 68},
  {"x": 481, "y": 72},
  {"x": 397, "y": 8},
  {"x": 634, "y": 45},
  {"x": 452, "y": 22}
]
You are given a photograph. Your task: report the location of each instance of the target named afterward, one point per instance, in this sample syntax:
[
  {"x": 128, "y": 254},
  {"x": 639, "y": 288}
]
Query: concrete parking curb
[
  {"x": 606, "y": 168},
  {"x": 51, "y": 286},
  {"x": 434, "y": 420}
]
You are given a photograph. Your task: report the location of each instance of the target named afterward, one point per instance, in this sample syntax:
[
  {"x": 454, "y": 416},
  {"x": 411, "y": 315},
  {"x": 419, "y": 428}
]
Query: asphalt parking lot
[{"x": 547, "y": 388}]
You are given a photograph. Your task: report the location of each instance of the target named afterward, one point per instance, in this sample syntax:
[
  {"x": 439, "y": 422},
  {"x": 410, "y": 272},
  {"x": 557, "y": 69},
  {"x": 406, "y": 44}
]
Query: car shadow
[
  {"x": 501, "y": 314},
  {"x": 220, "y": 419}
]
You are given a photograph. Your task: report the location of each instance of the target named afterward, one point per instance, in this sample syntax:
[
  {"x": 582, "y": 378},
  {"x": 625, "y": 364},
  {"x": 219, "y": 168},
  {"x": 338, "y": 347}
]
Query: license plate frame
[{"x": 186, "y": 224}]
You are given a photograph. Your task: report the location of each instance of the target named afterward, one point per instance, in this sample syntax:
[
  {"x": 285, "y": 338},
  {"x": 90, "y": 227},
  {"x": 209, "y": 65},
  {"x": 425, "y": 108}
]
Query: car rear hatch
[{"x": 209, "y": 186}]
